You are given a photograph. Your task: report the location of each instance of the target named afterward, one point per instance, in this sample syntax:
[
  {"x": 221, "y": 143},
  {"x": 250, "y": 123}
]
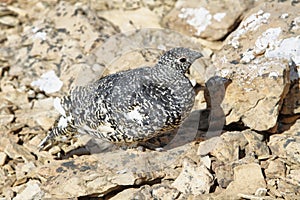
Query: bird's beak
[{"x": 196, "y": 55}]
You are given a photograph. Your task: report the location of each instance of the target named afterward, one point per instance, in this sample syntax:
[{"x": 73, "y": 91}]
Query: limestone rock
[
  {"x": 229, "y": 149},
  {"x": 3, "y": 158},
  {"x": 193, "y": 179},
  {"x": 224, "y": 174},
  {"x": 247, "y": 179},
  {"x": 130, "y": 20},
  {"x": 260, "y": 76},
  {"x": 276, "y": 169},
  {"x": 164, "y": 192},
  {"x": 211, "y": 20},
  {"x": 125, "y": 194},
  {"x": 32, "y": 191},
  {"x": 256, "y": 144},
  {"x": 103, "y": 172},
  {"x": 286, "y": 145}
]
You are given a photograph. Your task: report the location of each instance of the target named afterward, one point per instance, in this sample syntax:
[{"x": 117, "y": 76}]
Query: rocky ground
[{"x": 242, "y": 140}]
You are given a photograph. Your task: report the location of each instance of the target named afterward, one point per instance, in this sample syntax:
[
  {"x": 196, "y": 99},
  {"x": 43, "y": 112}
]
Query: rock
[
  {"x": 294, "y": 176},
  {"x": 15, "y": 97},
  {"x": 157, "y": 191},
  {"x": 164, "y": 192},
  {"x": 256, "y": 144},
  {"x": 106, "y": 171},
  {"x": 224, "y": 174},
  {"x": 32, "y": 191},
  {"x": 15, "y": 151},
  {"x": 247, "y": 179},
  {"x": 276, "y": 169},
  {"x": 125, "y": 194},
  {"x": 9, "y": 20},
  {"x": 193, "y": 179},
  {"x": 42, "y": 113},
  {"x": 3, "y": 158},
  {"x": 247, "y": 59},
  {"x": 285, "y": 146},
  {"x": 209, "y": 20},
  {"x": 48, "y": 82},
  {"x": 5, "y": 119},
  {"x": 130, "y": 20},
  {"x": 289, "y": 189},
  {"x": 229, "y": 149},
  {"x": 208, "y": 146}
]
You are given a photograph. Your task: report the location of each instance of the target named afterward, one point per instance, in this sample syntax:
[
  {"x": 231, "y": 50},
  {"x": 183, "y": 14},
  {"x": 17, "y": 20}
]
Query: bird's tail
[{"x": 62, "y": 126}]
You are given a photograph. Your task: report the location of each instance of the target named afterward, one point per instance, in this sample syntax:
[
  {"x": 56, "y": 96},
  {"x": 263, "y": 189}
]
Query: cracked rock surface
[{"x": 240, "y": 142}]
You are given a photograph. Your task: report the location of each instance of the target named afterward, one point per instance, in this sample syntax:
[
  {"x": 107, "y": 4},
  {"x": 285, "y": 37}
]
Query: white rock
[
  {"x": 288, "y": 48},
  {"x": 31, "y": 192},
  {"x": 48, "y": 82},
  {"x": 219, "y": 16},
  {"x": 199, "y": 18},
  {"x": 252, "y": 23}
]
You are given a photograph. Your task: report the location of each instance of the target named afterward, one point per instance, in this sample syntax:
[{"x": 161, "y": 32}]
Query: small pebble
[{"x": 3, "y": 157}]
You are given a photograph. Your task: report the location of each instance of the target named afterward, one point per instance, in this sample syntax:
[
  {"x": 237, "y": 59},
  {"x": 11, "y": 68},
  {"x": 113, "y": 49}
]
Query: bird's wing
[
  {"x": 87, "y": 104},
  {"x": 141, "y": 105}
]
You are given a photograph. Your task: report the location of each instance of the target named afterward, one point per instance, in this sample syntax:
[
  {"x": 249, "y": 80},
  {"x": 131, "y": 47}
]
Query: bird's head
[{"x": 179, "y": 58}]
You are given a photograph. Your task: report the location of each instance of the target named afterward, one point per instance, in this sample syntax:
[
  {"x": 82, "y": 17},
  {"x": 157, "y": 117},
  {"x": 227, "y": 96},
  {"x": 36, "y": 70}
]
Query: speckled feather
[{"x": 133, "y": 105}]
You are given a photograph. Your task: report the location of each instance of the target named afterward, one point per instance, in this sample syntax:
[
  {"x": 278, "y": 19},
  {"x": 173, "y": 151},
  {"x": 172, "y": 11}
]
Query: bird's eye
[{"x": 182, "y": 60}]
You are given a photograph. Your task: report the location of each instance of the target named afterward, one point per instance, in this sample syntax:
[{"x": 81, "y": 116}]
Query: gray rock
[
  {"x": 193, "y": 179},
  {"x": 31, "y": 192}
]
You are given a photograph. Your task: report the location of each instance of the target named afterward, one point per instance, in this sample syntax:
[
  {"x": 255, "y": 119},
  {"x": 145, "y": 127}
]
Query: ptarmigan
[{"x": 130, "y": 106}]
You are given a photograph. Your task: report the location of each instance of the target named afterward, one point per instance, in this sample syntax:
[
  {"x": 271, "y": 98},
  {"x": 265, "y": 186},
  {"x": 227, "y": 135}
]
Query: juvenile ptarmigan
[{"x": 133, "y": 105}]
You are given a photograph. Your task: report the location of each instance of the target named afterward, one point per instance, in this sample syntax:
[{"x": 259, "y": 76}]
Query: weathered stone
[
  {"x": 9, "y": 20},
  {"x": 132, "y": 19},
  {"x": 42, "y": 113},
  {"x": 207, "y": 146},
  {"x": 6, "y": 119},
  {"x": 259, "y": 72},
  {"x": 229, "y": 148},
  {"x": 100, "y": 173},
  {"x": 285, "y": 146},
  {"x": 3, "y": 158},
  {"x": 15, "y": 151},
  {"x": 256, "y": 144},
  {"x": 224, "y": 174},
  {"x": 32, "y": 191},
  {"x": 294, "y": 176},
  {"x": 164, "y": 192},
  {"x": 247, "y": 179},
  {"x": 125, "y": 194},
  {"x": 193, "y": 179},
  {"x": 276, "y": 169},
  {"x": 290, "y": 190},
  {"x": 209, "y": 20}
]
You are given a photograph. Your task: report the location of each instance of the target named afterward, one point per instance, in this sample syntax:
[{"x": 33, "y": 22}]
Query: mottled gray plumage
[{"x": 133, "y": 105}]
